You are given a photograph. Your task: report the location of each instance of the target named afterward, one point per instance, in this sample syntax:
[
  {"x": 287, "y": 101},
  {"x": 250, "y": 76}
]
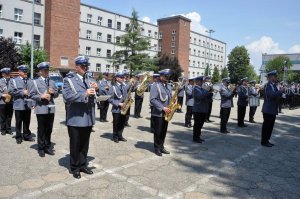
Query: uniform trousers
[
  {"x": 151, "y": 121},
  {"x": 188, "y": 115},
  {"x": 45, "y": 126},
  {"x": 6, "y": 113},
  {"x": 79, "y": 146},
  {"x": 103, "y": 109},
  {"x": 252, "y": 111},
  {"x": 199, "y": 119},
  {"x": 23, "y": 117},
  {"x": 118, "y": 125},
  {"x": 160, "y": 132},
  {"x": 138, "y": 106},
  {"x": 127, "y": 116},
  {"x": 267, "y": 127},
  {"x": 180, "y": 101},
  {"x": 209, "y": 110},
  {"x": 241, "y": 114},
  {"x": 224, "y": 113}
]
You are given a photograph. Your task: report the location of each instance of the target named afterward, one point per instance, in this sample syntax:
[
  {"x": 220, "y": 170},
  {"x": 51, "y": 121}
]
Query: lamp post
[
  {"x": 209, "y": 31},
  {"x": 284, "y": 71},
  {"x": 32, "y": 40}
]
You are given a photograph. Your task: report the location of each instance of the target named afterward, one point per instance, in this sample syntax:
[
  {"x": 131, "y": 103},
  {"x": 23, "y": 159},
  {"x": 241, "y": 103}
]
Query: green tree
[
  {"x": 171, "y": 63},
  {"x": 206, "y": 72},
  {"x": 277, "y": 64},
  {"x": 9, "y": 54},
  {"x": 216, "y": 76},
  {"x": 251, "y": 74},
  {"x": 133, "y": 45},
  {"x": 238, "y": 60},
  {"x": 224, "y": 73}
]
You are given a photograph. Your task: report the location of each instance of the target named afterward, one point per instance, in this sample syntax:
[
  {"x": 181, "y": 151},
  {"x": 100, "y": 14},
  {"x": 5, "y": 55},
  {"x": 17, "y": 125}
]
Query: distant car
[{"x": 58, "y": 81}]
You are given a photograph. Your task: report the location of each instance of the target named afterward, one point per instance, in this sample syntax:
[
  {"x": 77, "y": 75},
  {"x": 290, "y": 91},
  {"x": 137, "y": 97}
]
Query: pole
[
  {"x": 32, "y": 40},
  {"x": 209, "y": 31}
]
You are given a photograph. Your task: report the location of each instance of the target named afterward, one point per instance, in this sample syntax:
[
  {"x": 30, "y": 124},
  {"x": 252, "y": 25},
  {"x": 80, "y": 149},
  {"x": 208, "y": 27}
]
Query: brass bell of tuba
[{"x": 142, "y": 87}]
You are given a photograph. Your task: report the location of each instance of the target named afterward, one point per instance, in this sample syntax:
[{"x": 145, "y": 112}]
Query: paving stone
[
  {"x": 32, "y": 184},
  {"x": 55, "y": 177},
  {"x": 8, "y": 191}
]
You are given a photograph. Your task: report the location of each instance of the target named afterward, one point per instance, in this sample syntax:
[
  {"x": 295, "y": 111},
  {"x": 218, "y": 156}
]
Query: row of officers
[{"x": 79, "y": 93}]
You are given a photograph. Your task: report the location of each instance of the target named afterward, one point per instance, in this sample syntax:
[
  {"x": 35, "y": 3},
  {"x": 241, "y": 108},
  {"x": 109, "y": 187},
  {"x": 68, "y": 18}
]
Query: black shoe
[
  {"x": 271, "y": 144},
  {"x": 3, "y": 133},
  {"x": 102, "y": 120},
  {"x": 252, "y": 121},
  {"x": 164, "y": 151},
  {"x": 116, "y": 140},
  {"x": 87, "y": 171},
  {"x": 209, "y": 121},
  {"x": 188, "y": 125},
  {"x": 197, "y": 140},
  {"x": 266, "y": 144},
  {"x": 41, "y": 154},
  {"x": 105, "y": 120},
  {"x": 158, "y": 153},
  {"x": 202, "y": 140},
  {"x": 136, "y": 116},
  {"x": 122, "y": 139},
  {"x": 49, "y": 152},
  {"x": 29, "y": 140},
  {"x": 227, "y": 131},
  {"x": 242, "y": 125},
  {"x": 140, "y": 116},
  {"x": 127, "y": 125},
  {"x": 76, "y": 174},
  {"x": 19, "y": 141},
  {"x": 8, "y": 132}
]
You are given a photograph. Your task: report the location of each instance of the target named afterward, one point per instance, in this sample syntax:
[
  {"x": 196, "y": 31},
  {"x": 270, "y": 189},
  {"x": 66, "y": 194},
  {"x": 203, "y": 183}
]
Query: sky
[{"x": 262, "y": 26}]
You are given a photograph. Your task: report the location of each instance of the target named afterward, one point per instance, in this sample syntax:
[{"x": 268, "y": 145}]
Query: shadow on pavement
[
  {"x": 65, "y": 161},
  {"x": 144, "y": 128},
  {"x": 144, "y": 145}
]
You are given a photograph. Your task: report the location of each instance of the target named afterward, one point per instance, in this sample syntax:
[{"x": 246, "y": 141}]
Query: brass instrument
[
  {"x": 7, "y": 97},
  {"x": 128, "y": 101},
  {"x": 142, "y": 87},
  {"x": 232, "y": 87},
  {"x": 173, "y": 105},
  {"x": 258, "y": 87}
]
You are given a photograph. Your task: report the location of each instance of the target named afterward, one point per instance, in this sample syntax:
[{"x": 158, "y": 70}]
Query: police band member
[
  {"x": 43, "y": 91},
  {"x": 253, "y": 92},
  {"x": 18, "y": 88},
  {"x": 127, "y": 84},
  {"x": 200, "y": 108},
  {"x": 189, "y": 103},
  {"x": 209, "y": 85},
  {"x": 6, "y": 105},
  {"x": 155, "y": 79},
  {"x": 160, "y": 96},
  {"x": 138, "y": 100},
  {"x": 270, "y": 107},
  {"x": 118, "y": 94},
  {"x": 180, "y": 94},
  {"x": 79, "y": 94},
  {"x": 226, "y": 104},
  {"x": 242, "y": 102},
  {"x": 104, "y": 86}
]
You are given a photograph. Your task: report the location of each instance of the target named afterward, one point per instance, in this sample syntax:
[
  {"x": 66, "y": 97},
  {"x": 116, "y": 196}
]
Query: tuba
[
  {"x": 173, "y": 106},
  {"x": 142, "y": 87},
  {"x": 128, "y": 101},
  {"x": 8, "y": 97}
]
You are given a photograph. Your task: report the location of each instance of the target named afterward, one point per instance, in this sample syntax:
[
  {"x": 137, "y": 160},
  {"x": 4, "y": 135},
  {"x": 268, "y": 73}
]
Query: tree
[
  {"x": 39, "y": 55},
  {"x": 133, "y": 45},
  {"x": 216, "y": 76},
  {"x": 277, "y": 64},
  {"x": 206, "y": 72},
  {"x": 9, "y": 55},
  {"x": 171, "y": 63},
  {"x": 238, "y": 60},
  {"x": 251, "y": 74},
  {"x": 224, "y": 73}
]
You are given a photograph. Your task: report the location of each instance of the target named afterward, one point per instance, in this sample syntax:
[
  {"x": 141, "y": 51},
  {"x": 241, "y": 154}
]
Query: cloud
[
  {"x": 146, "y": 19},
  {"x": 196, "y": 22},
  {"x": 247, "y": 37},
  {"x": 294, "y": 49}
]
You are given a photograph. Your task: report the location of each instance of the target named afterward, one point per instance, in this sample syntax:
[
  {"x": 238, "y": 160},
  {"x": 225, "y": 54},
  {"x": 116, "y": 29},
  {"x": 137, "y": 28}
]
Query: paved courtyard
[{"x": 224, "y": 166}]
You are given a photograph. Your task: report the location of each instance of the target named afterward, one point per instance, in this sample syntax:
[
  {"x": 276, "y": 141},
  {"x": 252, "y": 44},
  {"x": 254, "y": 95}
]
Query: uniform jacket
[
  {"x": 102, "y": 84},
  {"x": 243, "y": 94},
  {"x": 226, "y": 97},
  {"x": 4, "y": 89},
  {"x": 35, "y": 92},
  {"x": 118, "y": 94},
  {"x": 80, "y": 108},
  {"x": 271, "y": 99},
  {"x": 160, "y": 96},
  {"x": 253, "y": 92},
  {"x": 200, "y": 100},
  {"x": 16, "y": 88},
  {"x": 210, "y": 97},
  {"x": 181, "y": 90},
  {"x": 189, "y": 95}
]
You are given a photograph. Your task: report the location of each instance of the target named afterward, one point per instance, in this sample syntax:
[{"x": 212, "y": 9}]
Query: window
[
  {"x": 88, "y": 50},
  {"x": 142, "y": 31},
  {"x": 194, "y": 63},
  {"x": 119, "y": 25},
  {"x": 172, "y": 51},
  {"x": 107, "y": 68},
  {"x": 88, "y": 34},
  {"x": 194, "y": 51},
  {"x": 127, "y": 27},
  {"x": 199, "y": 42},
  {"x": 108, "y": 38},
  {"x": 18, "y": 37},
  {"x": 98, "y": 67},
  {"x": 99, "y": 21},
  {"x": 37, "y": 1},
  {"x": 118, "y": 39},
  {"x": 99, "y": 36},
  {"x": 37, "y": 40},
  {"x": 159, "y": 48},
  {"x": 18, "y": 14},
  {"x": 0, "y": 11},
  {"x": 155, "y": 47},
  {"x": 109, "y": 23},
  {"x": 64, "y": 61},
  {"x": 198, "y": 64},
  {"x": 173, "y": 38},
  {"x": 155, "y": 35},
  {"x": 190, "y": 51},
  {"x": 173, "y": 44},
  {"x": 174, "y": 32},
  {"x": 199, "y": 54},
  {"x": 37, "y": 18},
  {"x": 1, "y": 32},
  {"x": 89, "y": 18},
  {"x": 108, "y": 53},
  {"x": 117, "y": 68},
  {"x": 195, "y": 40},
  {"x": 98, "y": 52},
  {"x": 160, "y": 35},
  {"x": 149, "y": 33}
]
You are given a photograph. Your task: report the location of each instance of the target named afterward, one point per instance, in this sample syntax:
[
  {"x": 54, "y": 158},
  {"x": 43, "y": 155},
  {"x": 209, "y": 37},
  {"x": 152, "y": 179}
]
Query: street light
[
  {"x": 209, "y": 31},
  {"x": 32, "y": 40}
]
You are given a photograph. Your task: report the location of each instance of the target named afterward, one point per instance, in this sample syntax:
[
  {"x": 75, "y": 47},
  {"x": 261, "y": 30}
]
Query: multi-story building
[{"x": 68, "y": 28}]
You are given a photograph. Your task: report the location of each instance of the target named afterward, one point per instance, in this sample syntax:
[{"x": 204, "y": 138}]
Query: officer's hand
[
  {"x": 46, "y": 96},
  {"x": 90, "y": 91},
  {"x": 25, "y": 92},
  {"x": 167, "y": 110},
  {"x": 121, "y": 105},
  {"x": 51, "y": 90},
  {"x": 94, "y": 85},
  {"x": 4, "y": 95}
]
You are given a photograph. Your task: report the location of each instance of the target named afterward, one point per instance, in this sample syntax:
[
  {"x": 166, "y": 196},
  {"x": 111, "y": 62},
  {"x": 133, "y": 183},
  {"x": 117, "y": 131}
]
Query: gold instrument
[
  {"x": 173, "y": 105},
  {"x": 142, "y": 87},
  {"x": 128, "y": 101},
  {"x": 7, "y": 98},
  {"x": 232, "y": 87},
  {"x": 258, "y": 86}
]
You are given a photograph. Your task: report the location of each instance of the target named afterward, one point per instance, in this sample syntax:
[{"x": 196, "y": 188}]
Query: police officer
[
  {"x": 104, "y": 86},
  {"x": 242, "y": 102},
  {"x": 160, "y": 96},
  {"x": 18, "y": 88},
  {"x": 270, "y": 107},
  {"x": 138, "y": 100},
  {"x": 43, "y": 91},
  {"x": 189, "y": 103},
  {"x": 79, "y": 94},
  {"x": 155, "y": 79},
  {"x": 208, "y": 84},
  {"x": 127, "y": 84},
  {"x": 226, "y": 104},
  {"x": 180, "y": 94},
  {"x": 200, "y": 108},
  {"x": 118, "y": 94},
  {"x": 6, "y": 106},
  {"x": 253, "y": 92}
]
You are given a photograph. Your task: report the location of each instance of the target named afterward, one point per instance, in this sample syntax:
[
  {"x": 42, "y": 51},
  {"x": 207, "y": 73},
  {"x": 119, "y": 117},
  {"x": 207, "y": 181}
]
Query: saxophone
[
  {"x": 142, "y": 87},
  {"x": 173, "y": 106},
  {"x": 128, "y": 101}
]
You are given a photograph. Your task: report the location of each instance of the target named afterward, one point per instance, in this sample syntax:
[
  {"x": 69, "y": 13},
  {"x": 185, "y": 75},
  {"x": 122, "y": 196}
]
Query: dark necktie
[
  {"x": 46, "y": 82},
  {"x": 83, "y": 80},
  {"x": 121, "y": 86}
]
